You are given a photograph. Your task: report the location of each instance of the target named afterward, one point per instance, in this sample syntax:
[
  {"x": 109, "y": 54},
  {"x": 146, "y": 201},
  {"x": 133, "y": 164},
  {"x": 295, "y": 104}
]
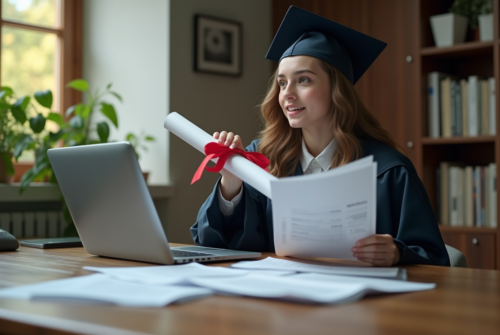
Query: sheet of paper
[
  {"x": 271, "y": 263},
  {"x": 323, "y": 215},
  {"x": 101, "y": 289},
  {"x": 375, "y": 285},
  {"x": 166, "y": 274},
  {"x": 284, "y": 288},
  {"x": 237, "y": 165},
  {"x": 308, "y": 287}
]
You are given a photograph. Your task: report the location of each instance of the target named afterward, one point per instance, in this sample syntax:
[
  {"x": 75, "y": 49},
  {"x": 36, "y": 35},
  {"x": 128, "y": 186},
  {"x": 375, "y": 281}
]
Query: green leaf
[
  {"x": 70, "y": 110},
  {"x": 109, "y": 111},
  {"x": 56, "y": 117},
  {"x": 54, "y": 137},
  {"x": 103, "y": 131},
  {"x": 2, "y": 94},
  {"x": 8, "y": 91},
  {"x": 22, "y": 103},
  {"x": 22, "y": 145},
  {"x": 117, "y": 96},
  {"x": 18, "y": 114},
  {"x": 130, "y": 137},
  {"x": 79, "y": 85},
  {"x": 85, "y": 111},
  {"x": 26, "y": 180},
  {"x": 109, "y": 86},
  {"x": 150, "y": 139},
  {"x": 7, "y": 159},
  {"x": 37, "y": 123},
  {"x": 76, "y": 122},
  {"x": 44, "y": 98}
]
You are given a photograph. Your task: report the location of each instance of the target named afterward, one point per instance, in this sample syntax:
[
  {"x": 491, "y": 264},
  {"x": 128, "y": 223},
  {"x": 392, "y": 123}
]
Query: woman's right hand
[{"x": 230, "y": 184}]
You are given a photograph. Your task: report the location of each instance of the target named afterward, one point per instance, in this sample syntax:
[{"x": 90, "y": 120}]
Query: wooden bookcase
[
  {"x": 480, "y": 245},
  {"x": 395, "y": 90}
]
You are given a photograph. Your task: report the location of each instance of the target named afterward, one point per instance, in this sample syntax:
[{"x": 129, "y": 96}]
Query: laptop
[{"x": 112, "y": 209}]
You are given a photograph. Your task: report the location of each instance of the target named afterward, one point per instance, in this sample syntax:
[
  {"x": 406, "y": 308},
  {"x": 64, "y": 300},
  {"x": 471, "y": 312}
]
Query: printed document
[
  {"x": 271, "y": 263},
  {"x": 323, "y": 215},
  {"x": 166, "y": 274},
  {"x": 100, "y": 289},
  {"x": 307, "y": 288}
]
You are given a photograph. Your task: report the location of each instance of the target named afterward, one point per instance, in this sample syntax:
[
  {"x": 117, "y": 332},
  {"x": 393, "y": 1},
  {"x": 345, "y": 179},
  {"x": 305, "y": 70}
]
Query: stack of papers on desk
[
  {"x": 308, "y": 288},
  {"x": 101, "y": 289},
  {"x": 166, "y": 274},
  {"x": 271, "y": 263},
  {"x": 157, "y": 286}
]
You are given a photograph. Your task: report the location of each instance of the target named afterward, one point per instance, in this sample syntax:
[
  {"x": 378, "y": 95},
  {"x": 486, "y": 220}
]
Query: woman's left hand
[{"x": 378, "y": 250}]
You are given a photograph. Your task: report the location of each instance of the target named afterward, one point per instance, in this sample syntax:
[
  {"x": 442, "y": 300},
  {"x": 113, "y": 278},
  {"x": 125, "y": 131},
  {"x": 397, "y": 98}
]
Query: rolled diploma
[{"x": 241, "y": 167}]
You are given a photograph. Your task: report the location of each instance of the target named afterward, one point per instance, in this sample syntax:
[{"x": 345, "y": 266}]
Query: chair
[{"x": 457, "y": 259}]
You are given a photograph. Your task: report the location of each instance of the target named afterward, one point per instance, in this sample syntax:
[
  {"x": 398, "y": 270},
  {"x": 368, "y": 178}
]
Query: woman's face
[{"x": 305, "y": 93}]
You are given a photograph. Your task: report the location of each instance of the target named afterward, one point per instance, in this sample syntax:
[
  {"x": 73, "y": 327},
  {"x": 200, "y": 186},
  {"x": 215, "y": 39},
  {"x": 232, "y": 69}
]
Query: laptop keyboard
[{"x": 182, "y": 253}]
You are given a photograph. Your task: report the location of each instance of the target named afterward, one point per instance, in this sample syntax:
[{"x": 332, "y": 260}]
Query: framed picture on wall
[{"x": 217, "y": 46}]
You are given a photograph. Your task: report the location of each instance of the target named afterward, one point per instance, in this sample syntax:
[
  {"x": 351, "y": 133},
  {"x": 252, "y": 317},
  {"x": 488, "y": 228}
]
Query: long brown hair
[{"x": 351, "y": 123}]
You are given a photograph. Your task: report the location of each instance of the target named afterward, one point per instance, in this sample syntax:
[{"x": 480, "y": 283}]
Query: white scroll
[{"x": 241, "y": 167}]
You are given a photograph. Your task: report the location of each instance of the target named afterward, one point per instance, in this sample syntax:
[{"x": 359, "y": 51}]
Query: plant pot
[
  {"x": 448, "y": 29},
  {"x": 5, "y": 178},
  {"x": 485, "y": 27},
  {"x": 20, "y": 169},
  {"x": 145, "y": 175}
]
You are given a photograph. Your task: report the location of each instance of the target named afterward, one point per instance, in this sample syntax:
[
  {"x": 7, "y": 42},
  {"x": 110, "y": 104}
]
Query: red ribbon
[{"x": 216, "y": 150}]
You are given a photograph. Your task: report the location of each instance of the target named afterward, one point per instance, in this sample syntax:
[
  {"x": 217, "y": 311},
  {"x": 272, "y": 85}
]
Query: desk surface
[{"x": 466, "y": 301}]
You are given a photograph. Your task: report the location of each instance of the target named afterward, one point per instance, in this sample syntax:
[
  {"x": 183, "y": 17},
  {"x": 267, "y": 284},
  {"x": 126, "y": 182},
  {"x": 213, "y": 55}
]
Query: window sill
[{"x": 51, "y": 192}]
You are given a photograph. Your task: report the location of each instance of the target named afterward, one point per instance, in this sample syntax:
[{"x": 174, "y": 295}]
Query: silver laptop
[{"x": 112, "y": 209}]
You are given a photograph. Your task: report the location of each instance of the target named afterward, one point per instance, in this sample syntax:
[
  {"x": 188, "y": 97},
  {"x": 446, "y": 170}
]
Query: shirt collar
[{"x": 324, "y": 159}]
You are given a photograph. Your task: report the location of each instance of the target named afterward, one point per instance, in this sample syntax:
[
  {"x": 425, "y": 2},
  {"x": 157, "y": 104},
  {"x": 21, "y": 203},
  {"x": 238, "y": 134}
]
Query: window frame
[{"x": 69, "y": 37}]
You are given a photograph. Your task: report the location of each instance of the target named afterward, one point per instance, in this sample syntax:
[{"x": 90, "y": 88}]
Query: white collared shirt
[{"x": 309, "y": 163}]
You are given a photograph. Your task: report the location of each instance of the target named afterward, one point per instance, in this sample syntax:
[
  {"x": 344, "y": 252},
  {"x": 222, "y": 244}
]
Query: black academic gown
[{"x": 403, "y": 211}]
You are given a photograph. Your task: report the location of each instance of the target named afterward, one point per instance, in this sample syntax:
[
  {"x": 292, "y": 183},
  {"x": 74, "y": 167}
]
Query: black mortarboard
[{"x": 305, "y": 33}]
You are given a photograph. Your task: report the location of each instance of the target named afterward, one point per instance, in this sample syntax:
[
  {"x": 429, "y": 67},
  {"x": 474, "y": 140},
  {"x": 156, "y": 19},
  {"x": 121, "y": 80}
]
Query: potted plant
[
  {"x": 485, "y": 20},
  {"x": 14, "y": 136},
  {"x": 76, "y": 128},
  {"x": 451, "y": 28},
  {"x": 138, "y": 143}
]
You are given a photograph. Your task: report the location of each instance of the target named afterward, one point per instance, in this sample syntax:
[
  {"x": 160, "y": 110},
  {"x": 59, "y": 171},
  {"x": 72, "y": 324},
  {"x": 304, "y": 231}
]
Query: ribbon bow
[{"x": 216, "y": 150}]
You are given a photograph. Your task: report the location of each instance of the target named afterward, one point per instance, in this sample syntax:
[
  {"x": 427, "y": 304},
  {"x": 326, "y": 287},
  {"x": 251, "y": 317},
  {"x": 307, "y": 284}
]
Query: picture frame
[{"x": 217, "y": 46}]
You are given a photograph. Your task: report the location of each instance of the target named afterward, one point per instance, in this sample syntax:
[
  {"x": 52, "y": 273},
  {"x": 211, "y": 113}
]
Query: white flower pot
[
  {"x": 448, "y": 29},
  {"x": 485, "y": 27}
]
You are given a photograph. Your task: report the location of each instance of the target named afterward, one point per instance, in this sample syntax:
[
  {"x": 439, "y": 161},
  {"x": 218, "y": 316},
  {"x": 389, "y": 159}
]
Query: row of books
[
  {"x": 465, "y": 107},
  {"x": 467, "y": 195}
]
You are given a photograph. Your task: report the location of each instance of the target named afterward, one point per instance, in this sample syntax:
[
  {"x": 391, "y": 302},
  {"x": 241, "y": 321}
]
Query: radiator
[{"x": 33, "y": 224}]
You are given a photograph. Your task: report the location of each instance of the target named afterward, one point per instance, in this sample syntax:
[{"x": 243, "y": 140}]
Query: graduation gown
[{"x": 403, "y": 211}]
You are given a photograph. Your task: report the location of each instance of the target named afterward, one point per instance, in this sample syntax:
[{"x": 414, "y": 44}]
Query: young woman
[{"x": 314, "y": 121}]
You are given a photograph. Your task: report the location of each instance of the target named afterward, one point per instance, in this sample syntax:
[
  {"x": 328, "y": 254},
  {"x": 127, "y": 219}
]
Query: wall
[
  {"x": 213, "y": 102},
  {"x": 125, "y": 42}
]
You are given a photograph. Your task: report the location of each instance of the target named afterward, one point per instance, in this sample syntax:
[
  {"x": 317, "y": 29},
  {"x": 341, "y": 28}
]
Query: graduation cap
[{"x": 305, "y": 33}]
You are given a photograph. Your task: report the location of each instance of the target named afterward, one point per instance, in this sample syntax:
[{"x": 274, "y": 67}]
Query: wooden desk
[{"x": 466, "y": 301}]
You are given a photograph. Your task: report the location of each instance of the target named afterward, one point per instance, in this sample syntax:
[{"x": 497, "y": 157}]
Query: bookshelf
[{"x": 479, "y": 244}]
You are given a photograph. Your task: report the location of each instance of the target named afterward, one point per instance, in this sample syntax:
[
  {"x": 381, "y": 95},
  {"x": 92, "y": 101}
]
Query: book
[
  {"x": 457, "y": 98},
  {"x": 482, "y": 202},
  {"x": 492, "y": 106},
  {"x": 484, "y": 107},
  {"x": 473, "y": 110},
  {"x": 456, "y": 196},
  {"x": 465, "y": 115},
  {"x": 434, "y": 102},
  {"x": 493, "y": 195},
  {"x": 468, "y": 197},
  {"x": 444, "y": 185},
  {"x": 487, "y": 194},
  {"x": 446, "y": 108},
  {"x": 477, "y": 196}
]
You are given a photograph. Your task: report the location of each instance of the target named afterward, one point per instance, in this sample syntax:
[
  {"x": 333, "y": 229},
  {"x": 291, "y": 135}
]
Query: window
[{"x": 41, "y": 47}]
